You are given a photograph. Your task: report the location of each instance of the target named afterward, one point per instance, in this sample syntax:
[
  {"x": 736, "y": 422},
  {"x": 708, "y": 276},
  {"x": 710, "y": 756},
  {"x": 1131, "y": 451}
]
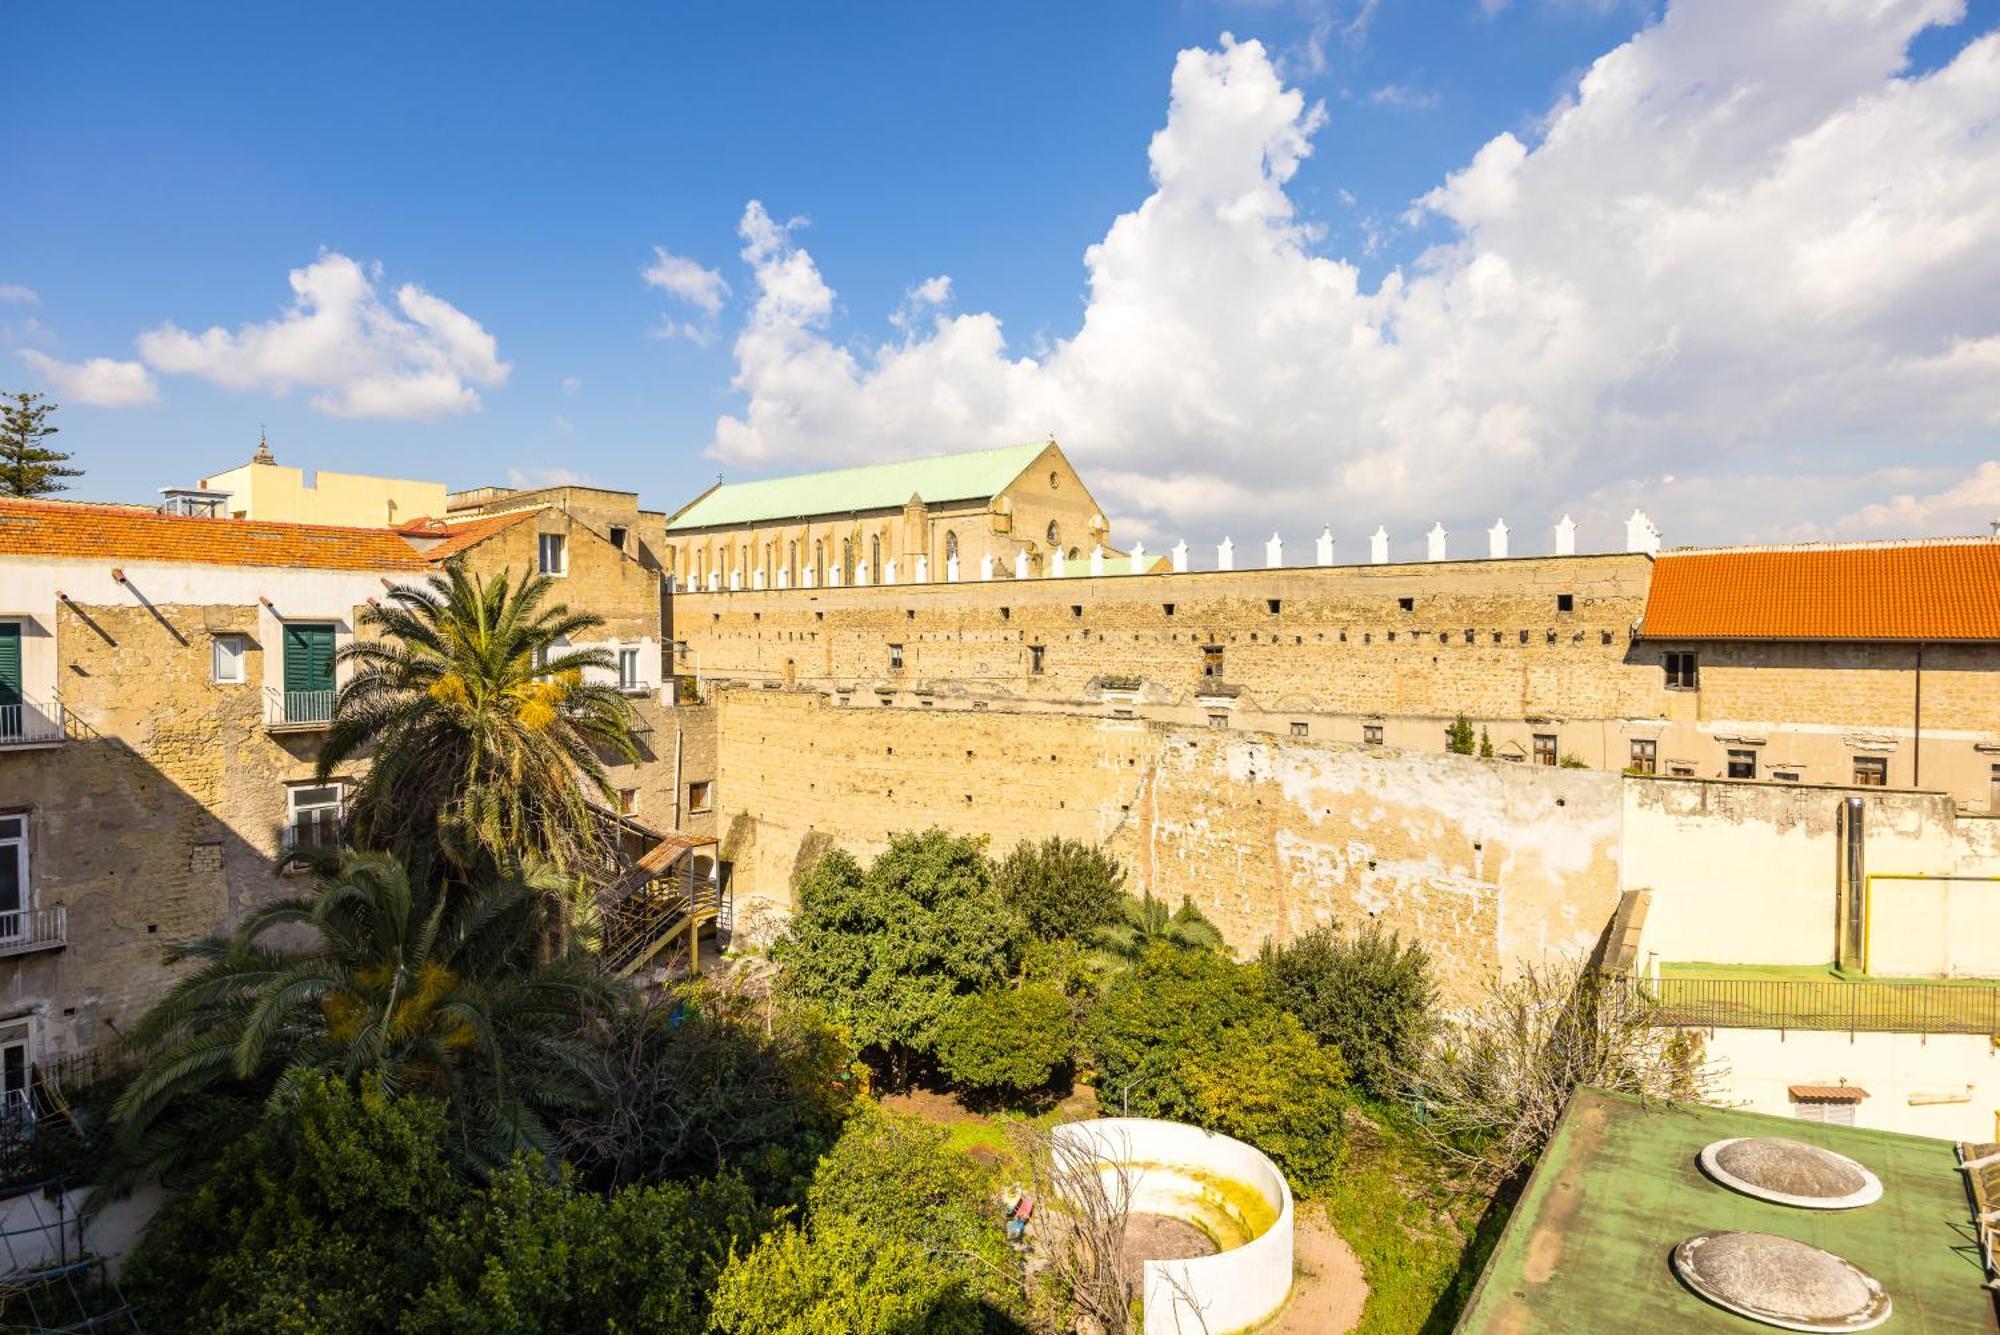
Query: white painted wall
[
  {"x": 1757, "y": 1066},
  {"x": 1227, "y": 1291}
]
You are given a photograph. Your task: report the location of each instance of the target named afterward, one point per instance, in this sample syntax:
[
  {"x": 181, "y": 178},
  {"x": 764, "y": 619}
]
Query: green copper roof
[{"x": 944, "y": 477}]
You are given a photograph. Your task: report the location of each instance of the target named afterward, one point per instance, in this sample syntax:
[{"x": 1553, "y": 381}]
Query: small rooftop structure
[{"x": 1620, "y": 1189}]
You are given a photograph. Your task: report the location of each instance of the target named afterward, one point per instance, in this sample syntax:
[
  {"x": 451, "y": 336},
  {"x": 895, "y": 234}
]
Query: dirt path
[{"x": 1328, "y": 1293}]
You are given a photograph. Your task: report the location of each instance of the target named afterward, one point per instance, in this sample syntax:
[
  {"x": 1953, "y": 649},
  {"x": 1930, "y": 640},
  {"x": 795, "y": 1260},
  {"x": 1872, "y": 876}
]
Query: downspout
[
  {"x": 1917, "y": 726},
  {"x": 679, "y": 733}
]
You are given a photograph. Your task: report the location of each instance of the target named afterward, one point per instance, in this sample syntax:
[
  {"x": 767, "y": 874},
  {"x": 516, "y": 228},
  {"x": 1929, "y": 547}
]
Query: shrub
[
  {"x": 315, "y": 1221},
  {"x": 533, "y": 1255},
  {"x": 1194, "y": 1037},
  {"x": 1458, "y": 737},
  {"x": 887, "y": 953},
  {"x": 1485, "y": 744},
  {"x": 1063, "y": 889},
  {"x": 1144, "y": 923},
  {"x": 1370, "y": 996},
  {"x": 842, "y": 1279},
  {"x": 1012, "y": 1038}
]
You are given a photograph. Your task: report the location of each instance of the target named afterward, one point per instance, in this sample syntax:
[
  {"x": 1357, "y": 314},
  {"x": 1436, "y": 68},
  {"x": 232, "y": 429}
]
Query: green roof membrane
[
  {"x": 1587, "y": 1247},
  {"x": 978, "y": 474}
]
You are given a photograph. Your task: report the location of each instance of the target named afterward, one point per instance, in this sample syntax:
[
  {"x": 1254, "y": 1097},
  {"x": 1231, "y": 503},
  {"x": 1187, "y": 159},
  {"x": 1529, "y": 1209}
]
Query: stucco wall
[
  {"x": 1489, "y": 864},
  {"x": 274, "y": 491},
  {"x": 1945, "y": 1085}
]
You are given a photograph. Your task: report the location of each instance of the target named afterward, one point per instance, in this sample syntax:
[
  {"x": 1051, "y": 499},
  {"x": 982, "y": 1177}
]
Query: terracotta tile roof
[
  {"x": 459, "y": 534},
  {"x": 1946, "y": 590},
  {"x": 68, "y": 529},
  {"x": 1827, "y": 1093}
]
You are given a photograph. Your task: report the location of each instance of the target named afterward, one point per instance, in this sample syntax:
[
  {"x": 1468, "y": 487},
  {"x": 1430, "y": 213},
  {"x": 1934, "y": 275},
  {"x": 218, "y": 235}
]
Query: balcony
[
  {"x": 1819, "y": 999},
  {"x": 31, "y": 931},
  {"x": 297, "y": 711},
  {"x": 29, "y": 723}
]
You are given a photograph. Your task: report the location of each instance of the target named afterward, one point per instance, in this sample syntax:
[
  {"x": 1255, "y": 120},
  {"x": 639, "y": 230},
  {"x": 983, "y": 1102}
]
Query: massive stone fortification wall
[{"x": 1489, "y": 864}]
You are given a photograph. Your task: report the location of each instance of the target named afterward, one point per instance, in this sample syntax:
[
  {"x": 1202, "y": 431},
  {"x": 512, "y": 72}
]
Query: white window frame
[
  {"x": 631, "y": 682},
  {"x": 17, "y": 1107},
  {"x": 14, "y": 922},
  {"x": 228, "y": 651},
  {"x": 293, "y": 808},
  {"x": 561, "y": 541}
]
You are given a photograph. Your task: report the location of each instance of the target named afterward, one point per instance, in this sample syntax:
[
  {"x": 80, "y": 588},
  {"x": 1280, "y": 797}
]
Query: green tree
[
  {"x": 1191, "y": 1036},
  {"x": 1485, "y": 744},
  {"x": 312, "y": 1222},
  {"x": 1144, "y": 923},
  {"x": 27, "y": 466},
  {"x": 532, "y": 1255},
  {"x": 1458, "y": 737},
  {"x": 485, "y": 737},
  {"x": 1063, "y": 888},
  {"x": 434, "y": 990},
  {"x": 895, "y": 1178},
  {"x": 887, "y": 953},
  {"x": 842, "y": 1279},
  {"x": 1007, "y": 1038},
  {"x": 1370, "y": 996}
]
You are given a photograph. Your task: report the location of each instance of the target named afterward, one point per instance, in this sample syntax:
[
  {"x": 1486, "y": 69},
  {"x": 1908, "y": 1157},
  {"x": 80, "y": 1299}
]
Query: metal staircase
[{"x": 657, "y": 901}]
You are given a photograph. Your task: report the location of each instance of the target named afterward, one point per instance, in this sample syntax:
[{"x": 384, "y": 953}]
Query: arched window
[
  {"x": 950, "y": 545},
  {"x": 847, "y": 560},
  {"x": 791, "y": 558},
  {"x": 1074, "y": 554},
  {"x": 875, "y": 559},
  {"x": 819, "y": 561},
  {"x": 1055, "y": 534}
]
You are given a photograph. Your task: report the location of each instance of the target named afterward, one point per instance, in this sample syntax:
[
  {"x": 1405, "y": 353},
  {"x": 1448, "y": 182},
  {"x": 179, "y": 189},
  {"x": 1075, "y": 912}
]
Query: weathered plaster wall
[
  {"x": 1490, "y": 864},
  {"x": 1944, "y": 1085}
]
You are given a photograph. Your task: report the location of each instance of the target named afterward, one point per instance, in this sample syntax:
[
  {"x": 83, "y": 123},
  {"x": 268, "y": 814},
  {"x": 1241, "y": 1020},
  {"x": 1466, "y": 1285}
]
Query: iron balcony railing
[
  {"x": 29, "y": 722},
  {"x": 297, "y": 709},
  {"x": 1915, "y": 1006},
  {"x": 24, "y": 931},
  {"x": 319, "y": 827}
]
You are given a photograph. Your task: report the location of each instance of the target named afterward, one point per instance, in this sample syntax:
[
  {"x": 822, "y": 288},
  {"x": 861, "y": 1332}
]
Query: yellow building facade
[{"x": 267, "y": 490}]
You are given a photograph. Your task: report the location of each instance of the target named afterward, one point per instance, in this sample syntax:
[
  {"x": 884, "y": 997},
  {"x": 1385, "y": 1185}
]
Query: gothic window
[
  {"x": 875, "y": 559},
  {"x": 1055, "y": 534},
  {"x": 950, "y": 545}
]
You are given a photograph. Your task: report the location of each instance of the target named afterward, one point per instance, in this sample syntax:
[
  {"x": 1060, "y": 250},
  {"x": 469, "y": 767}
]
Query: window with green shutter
[
  {"x": 10, "y": 678},
  {"x": 308, "y": 671}
]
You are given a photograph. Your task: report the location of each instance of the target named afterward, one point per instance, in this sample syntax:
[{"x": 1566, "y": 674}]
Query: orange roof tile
[
  {"x": 464, "y": 533},
  {"x": 116, "y": 532},
  {"x": 1946, "y": 590}
]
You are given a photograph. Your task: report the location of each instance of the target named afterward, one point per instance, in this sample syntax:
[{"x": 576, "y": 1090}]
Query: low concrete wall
[
  {"x": 1166, "y": 1167},
  {"x": 1943, "y": 1085}
]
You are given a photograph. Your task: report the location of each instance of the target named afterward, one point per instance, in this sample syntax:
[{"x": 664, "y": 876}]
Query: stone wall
[{"x": 1489, "y": 864}]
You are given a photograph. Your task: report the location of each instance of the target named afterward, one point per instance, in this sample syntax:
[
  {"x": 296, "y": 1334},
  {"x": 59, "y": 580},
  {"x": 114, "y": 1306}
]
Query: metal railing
[
  {"x": 316, "y": 827},
  {"x": 23, "y": 931},
  {"x": 297, "y": 709},
  {"x": 30, "y": 722},
  {"x": 1915, "y": 1006}
]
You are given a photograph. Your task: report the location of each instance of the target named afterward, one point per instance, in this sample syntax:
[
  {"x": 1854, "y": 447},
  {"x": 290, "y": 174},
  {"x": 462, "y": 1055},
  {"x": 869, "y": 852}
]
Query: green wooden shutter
[
  {"x": 308, "y": 658},
  {"x": 10, "y": 663}
]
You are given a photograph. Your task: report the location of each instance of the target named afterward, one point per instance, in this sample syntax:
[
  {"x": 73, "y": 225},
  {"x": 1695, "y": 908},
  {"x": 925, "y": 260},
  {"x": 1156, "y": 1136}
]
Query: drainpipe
[
  {"x": 1852, "y": 881},
  {"x": 1917, "y": 726},
  {"x": 679, "y": 733}
]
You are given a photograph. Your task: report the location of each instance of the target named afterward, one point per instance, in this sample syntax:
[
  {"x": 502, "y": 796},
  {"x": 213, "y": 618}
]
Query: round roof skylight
[
  {"x": 1781, "y": 1282},
  {"x": 1790, "y": 1172}
]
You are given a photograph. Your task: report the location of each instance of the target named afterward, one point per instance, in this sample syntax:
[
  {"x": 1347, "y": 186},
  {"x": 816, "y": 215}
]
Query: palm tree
[
  {"x": 486, "y": 737},
  {"x": 437, "y": 990},
  {"x": 1143, "y": 923}
]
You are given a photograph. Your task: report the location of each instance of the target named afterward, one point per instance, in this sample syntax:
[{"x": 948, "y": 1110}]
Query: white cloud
[
  {"x": 1750, "y": 242},
  {"x": 1969, "y": 505},
  {"x": 340, "y": 337},
  {"x": 572, "y": 383},
  {"x": 1409, "y": 97},
  {"x": 100, "y": 381},
  {"x": 19, "y": 294},
  {"x": 528, "y": 479}
]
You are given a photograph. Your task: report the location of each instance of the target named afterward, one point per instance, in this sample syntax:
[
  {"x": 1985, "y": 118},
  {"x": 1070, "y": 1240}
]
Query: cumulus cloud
[
  {"x": 1969, "y": 505},
  {"x": 1750, "y": 236},
  {"x": 100, "y": 380},
  {"x": 692, "y": 284},
  {"x": 339, "y": 337}
]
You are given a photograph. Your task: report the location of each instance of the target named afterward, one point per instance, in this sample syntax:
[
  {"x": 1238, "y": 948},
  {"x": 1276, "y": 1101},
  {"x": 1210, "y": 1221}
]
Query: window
[
  {"x": 308, "y": 672},
  {"x": 16, "y": 1085},
  {"x": 1681, "y": 771},
  {"x": 895, "y": 658},
  {"x": 950, "y": 545},
  {"x": 1683, "y": 673},
  {"x": 1742, "y": 764},
  {"x": 1218, "y": 720},
  {"x": 628, "y": 670},
  {"x": 618, "y": 536},
  {"x": 1035, "y": 659},
  {"x": 1785, "y": 776},
  {"x": 1565, "y": 602},
  {"x": 1871, "y": 771},
  {"x": 1832, "y": 1104},
  {"x": 628, "y": 801},
  {"x": 699, "y": 796},
  {"x": 13, "y": 876},
  {"x": 1055, "y": 479},
  {"x": 1407, "y": 604},
  {"x": 875, "y": 560},
  {"x": 1273, "y": 605},
  {"x": 312, "y": 817},
  {"x": 1993, "y": 791},
  {"x": 554, "y": 554},
  {"x": 1299, "y": 728},
  {"x": 1645, "y": 756},
  {"x": 1211, "y": 660},
  {"x": 11, "y": 710},
  {"x": 1055, "y": 535},
  {"x": 1545, "y": 748},
  {"x": 1371, "y": 734},
  {"x": 1166, "y": 609},
  {"x": 228, "y": 660}
]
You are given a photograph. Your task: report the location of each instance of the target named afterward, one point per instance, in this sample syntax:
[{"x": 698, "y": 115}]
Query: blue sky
[{"x": 172, "y": 163}]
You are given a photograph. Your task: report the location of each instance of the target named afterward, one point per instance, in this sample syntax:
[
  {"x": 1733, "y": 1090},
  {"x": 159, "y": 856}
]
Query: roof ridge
[
  {"x": 149, "y": 513},
  {"x": 1841, "y": 545}
]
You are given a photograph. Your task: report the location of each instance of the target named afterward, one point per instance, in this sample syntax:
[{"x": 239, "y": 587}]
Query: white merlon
[
  {"x": 1138, "y": 558},
  {"x": 1274, "y": 553},
  {"x": 1496, "y": 539},
  {"x": 1378, "y": 546},
  {"x": 807, "y": 578},
  {"x": 1566, "y": 537},
  {"x": 1323, "y": 548},
  {"x": 1180, "y": 557},
  {"x": 1642, "y": 534},
  {"x": 889, "y": 571},
  {"x": 951, "y": 569},
  {"x": 923, "y": 569},
  {"x": 1097, "y": 560},
  {"x": 1020, "y": 565},
  {"x": 784, "y": 578},
  {"x": 1434, "y": 542},
  {"x": 1058, "y": 564},
  {"x": 861, "y": 574},
  {"x": 1225, "y": 555},
  {"x": 986, "y": 568},
  {"x": 735, "y": 580},
  {"x": 833, "y": 577}
]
